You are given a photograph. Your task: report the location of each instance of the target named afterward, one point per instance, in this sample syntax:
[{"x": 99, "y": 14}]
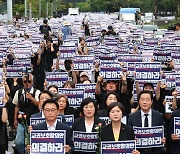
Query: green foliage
[
  {"x": 94, "y": 6},
  {"x": 18, "y": 8}
]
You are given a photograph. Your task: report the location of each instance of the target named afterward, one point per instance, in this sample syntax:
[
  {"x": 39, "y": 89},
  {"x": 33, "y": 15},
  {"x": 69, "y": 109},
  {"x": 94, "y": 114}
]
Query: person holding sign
[
  {"x": 44, "y": 95},
  {"x": 147, "y": 117},
  {"x": 3, "y": 129},
  {"x": 117, "y": 131},
  {"x": 174, "y": 131},
  {"x": 150, "y": 87},
  {"x": 88, "y": 121},
  {"x": 50, "y": 109}
]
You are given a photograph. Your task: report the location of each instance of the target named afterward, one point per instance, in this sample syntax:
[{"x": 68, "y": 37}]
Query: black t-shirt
[
  {"x": 2, "y": 128},
  {"x": 44, "y": 29}
]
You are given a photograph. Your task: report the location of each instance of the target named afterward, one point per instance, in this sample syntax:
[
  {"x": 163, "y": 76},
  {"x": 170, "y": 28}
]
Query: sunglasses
[{"x": 27, "y": 81}]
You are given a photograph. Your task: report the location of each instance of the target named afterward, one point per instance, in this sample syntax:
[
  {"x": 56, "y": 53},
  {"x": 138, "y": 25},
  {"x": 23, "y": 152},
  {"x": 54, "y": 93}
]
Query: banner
[
  {"x": 2, "y": 95},
  {"x": 178, "y": 84},
  {"x": 37, "y": 120},
  {"x": 45, "y": 141},
  {"x": 89, "y": 89},
  {"x": 67, "y": 51},
  {"x": 110, "y": 73},
  {"x": 149, "y": 137},
  {"x": 69, "y": 119},
  {"x": 118, "y": 147},
  {"x": 168, "y": 105},
  {"x": 131, "y": 69},
  {"x": 56, "y": 78},
  {"x": 22, "y": 62},
  {"x": 82, "y": 63},
  {"x": 14, "y": 71},
  {"x": 162, "y": 55},
  {"x": 177, "y": 126},
  {"x": 1, "y": 75},
  {"x": 86, "y": 142},
  {"x": 75, "y": 96},
  {"x": 148, "y": 71}
]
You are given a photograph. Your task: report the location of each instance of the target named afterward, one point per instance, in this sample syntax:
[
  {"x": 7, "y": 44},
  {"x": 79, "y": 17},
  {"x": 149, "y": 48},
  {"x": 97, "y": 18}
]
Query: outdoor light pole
[
  {"x": 9, "y": 12},
  {"x": 25, "y": 8}
]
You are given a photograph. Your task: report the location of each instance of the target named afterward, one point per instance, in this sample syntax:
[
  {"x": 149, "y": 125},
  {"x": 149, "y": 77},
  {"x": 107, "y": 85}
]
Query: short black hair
[
  {"x": 50, "y": 101},
  {"x": 148, "y": 84},
  {"x": 110, "y": 27},
  {"x": 118, "y": 104},
  {"x": 46, "y": 92},
  {"x": 87, "y": 101},
  {"x": 45, "y": 21},
  {"x": 54, "y": 86},
  {"x": 113, "y": 93},
  {"x": 67, "y": 64},
  {"x": 49, "y": 39},
  {"x": 145, "y": 92}
]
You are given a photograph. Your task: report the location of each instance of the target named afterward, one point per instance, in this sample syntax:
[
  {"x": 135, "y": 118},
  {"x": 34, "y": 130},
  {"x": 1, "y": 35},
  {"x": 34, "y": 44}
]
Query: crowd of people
[{"x": 33, "y": 96}]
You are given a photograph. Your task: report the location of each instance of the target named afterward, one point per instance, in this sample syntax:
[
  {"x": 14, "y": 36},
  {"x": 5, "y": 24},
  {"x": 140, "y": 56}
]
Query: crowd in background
[{"x": 27, "y": 94}]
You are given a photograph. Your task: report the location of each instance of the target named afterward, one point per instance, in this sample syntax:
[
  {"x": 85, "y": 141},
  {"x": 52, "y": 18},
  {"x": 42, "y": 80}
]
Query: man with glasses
[
  {"x": 50, "y": 109},
  {"x": 26, "y": 102}
]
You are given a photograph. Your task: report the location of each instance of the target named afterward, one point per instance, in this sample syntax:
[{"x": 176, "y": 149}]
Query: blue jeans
[{"x": 19, "y": 141}]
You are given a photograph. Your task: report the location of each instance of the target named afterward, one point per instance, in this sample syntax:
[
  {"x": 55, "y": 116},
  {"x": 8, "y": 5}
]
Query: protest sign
[
  {"x": 75, "y": 96},
  {"x": 148, "y": 71},
  {"x": 86, "y": 142},
  {"x": 120, "y": 147},
  {"x": 45, "y": 141},
  {"x": 149, "y": 137}
]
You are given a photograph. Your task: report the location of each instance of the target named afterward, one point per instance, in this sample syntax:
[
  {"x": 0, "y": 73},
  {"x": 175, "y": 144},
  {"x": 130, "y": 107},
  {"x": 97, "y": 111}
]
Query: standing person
[
  {"x": 175, "y": 139},
  {"x": 26, "y": 102},
  {"x": 146, "y": 117},
  {"x": 3, "y": 120},
  {"x": 177, "y": 29},
  {"x": 116, "y": 130},
  {"x": 45, "y": 28},
  {"x": 50, "y": 109},
  {"x": 88, "y": 121},
  {"x": 66, "y": 30},
  {"x": 63, "y": 104},
  {"x": 86, "y": 25},
  {"x": 82, "y": 48},
  {"x": 44, "y": 95},
  {"x": 111, "y": 97},
  {"x": 110, "y": 31}
]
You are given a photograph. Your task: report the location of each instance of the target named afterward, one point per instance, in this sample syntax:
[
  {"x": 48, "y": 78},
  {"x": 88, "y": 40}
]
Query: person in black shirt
[
  {"x": 45, "y": 28},
  {"x": 110, "y": 31}
]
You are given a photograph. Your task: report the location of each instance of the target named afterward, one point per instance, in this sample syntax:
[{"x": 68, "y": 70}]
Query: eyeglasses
[
  {"x": 50, "y": 110},
  {"x": 27, "y": 81}
]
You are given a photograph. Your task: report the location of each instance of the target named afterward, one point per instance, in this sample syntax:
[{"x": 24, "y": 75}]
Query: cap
[{"x": 84, "y": 73}]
